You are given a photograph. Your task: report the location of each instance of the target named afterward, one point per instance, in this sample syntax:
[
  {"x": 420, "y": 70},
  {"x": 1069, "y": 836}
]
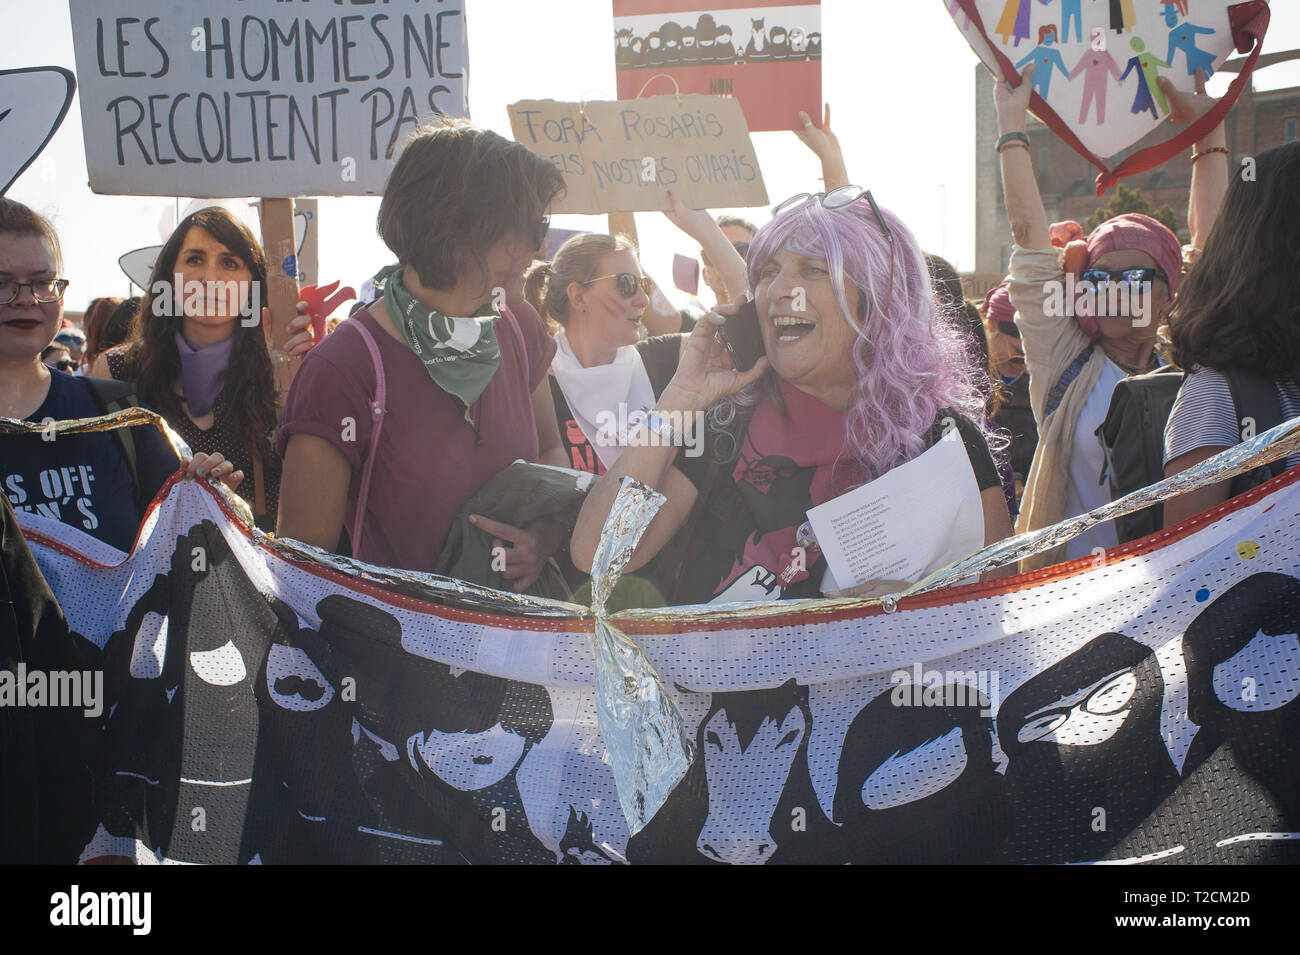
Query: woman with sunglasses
[
  {"x": 860, "y": 373},
  {"x": 415, "y": 401},
  {"x": 605, "y": 377},
  {"x": 87, "y": 481},
  {"x": 1082, "y": 337}
]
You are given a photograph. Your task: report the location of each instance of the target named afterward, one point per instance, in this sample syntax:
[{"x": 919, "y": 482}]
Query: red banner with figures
[{"x": 765, "y": 53}]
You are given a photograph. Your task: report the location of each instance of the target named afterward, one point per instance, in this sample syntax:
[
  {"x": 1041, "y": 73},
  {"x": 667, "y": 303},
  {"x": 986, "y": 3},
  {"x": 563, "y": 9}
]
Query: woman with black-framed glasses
[
  {"x": 860, "y": 372},
  {"x": 87, "y": 481}
]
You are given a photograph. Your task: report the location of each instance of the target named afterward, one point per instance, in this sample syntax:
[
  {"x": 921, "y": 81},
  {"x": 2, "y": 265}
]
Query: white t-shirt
[{"x": 1089, "y": 487}]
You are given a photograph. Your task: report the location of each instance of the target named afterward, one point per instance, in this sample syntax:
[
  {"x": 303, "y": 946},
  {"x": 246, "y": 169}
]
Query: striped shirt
[{"x": 1204, "y": 416}]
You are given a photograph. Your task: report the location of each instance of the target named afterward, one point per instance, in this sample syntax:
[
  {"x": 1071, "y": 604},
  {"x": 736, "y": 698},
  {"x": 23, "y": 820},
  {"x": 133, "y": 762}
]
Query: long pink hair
[{"x": 911, "y": 361}]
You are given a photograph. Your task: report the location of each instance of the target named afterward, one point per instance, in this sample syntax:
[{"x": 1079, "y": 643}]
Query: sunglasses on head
[
  {"x": 627, "y": 283},
  {"x": 839, "y": 198},
  {"x": 1122, "y": 276}
]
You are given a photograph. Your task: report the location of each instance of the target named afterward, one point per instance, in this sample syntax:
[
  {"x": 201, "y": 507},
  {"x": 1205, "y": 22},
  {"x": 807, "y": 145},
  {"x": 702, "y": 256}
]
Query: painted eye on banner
[
  {"x": 1263, "y": 675},
  {"x": 1113, "y": 695},
  {"x": 1041, "y": 726},
  {"x": 917, "y": 774},
  {"x": 294, "y": 681},
  {"x": 223, "y": 666}
]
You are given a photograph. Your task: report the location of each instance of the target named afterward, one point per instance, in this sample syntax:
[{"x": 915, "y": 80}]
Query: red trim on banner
[
  {"x": 940, "y": 598},
  {"x": 1249, "y": 22},
  {"x": 993, "y": 588},
  {"x": 649, "y": 8}
]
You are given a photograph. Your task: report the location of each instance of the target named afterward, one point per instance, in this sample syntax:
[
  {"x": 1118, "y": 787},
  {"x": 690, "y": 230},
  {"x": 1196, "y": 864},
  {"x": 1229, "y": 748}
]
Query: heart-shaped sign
[
  {"x": 1097, "y": 62},
  {"x": 33, "y": 102}
]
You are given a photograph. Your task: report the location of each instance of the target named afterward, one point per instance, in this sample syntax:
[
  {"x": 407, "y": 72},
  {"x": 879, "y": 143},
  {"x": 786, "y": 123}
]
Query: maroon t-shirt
[{"x": 427, "y": 464}]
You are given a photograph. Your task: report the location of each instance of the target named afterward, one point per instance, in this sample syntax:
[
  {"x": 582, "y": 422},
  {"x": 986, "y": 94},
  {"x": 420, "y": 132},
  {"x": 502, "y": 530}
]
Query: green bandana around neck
[{"x": 460, "y": 354}]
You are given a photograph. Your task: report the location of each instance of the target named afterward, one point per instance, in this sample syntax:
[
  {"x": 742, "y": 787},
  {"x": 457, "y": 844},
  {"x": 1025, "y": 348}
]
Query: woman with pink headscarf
[{"x": 1084, "y": 332}]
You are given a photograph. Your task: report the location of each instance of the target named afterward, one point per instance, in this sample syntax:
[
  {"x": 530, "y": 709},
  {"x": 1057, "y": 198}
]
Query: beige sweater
[{"x": 1052, "y": 345}]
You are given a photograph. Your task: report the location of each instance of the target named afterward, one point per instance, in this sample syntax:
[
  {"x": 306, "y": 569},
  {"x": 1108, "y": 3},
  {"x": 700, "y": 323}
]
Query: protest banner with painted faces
[
  {"x": 260, "y": 98},
  {"x": 765, "y": 53}
]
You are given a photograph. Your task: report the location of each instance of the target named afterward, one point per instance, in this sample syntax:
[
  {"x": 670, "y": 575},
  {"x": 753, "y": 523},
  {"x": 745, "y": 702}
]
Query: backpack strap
[
  {"x": 112, "y": 395},
  {"x": 1058, "y": 390},
  {"x": 1255, "y": 398},
  {"x": 378, "y": 409}
]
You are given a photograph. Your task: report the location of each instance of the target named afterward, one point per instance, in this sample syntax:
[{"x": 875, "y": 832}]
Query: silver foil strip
[
  {"x": 431, "y": 587},
  {"x": 1279, "y": 442},
  {"x": 643, "y": 731}
]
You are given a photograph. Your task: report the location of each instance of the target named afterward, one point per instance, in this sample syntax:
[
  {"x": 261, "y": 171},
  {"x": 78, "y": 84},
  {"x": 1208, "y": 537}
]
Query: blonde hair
[{"x": 578, "y": 260}]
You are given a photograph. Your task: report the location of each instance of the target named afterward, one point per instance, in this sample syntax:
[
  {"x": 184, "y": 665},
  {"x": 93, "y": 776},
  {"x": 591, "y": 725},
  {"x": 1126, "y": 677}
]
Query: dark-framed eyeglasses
[
  {"x": 840, "y": 198},
  {"x": 43, "y": 291},
  {"x": 628, "y": 283},
  {"x": 1135, "y": 276}
]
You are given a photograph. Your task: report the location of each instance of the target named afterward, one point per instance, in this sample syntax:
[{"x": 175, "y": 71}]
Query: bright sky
[{"x": 906, "y": 121}]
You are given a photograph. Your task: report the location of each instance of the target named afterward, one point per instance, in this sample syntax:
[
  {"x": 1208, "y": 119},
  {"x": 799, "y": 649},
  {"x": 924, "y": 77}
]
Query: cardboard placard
[
  {"x": 624, "y": 156},
  {"x": 765, "y": 53},
  {"x": 258, "y": 97}
]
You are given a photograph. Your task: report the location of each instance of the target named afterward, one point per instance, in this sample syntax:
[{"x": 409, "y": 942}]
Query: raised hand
[
  {"x": 1012, "y": 102},
  {"x": 823, "y": 142}
]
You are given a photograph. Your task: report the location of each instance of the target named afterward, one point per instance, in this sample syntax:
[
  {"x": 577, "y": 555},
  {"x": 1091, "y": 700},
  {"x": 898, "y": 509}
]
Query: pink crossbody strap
[{"x": 378, "y": 409}]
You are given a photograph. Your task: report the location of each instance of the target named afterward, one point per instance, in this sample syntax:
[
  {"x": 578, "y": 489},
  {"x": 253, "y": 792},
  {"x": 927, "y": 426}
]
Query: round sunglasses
[{"x": 628, "y": 283}]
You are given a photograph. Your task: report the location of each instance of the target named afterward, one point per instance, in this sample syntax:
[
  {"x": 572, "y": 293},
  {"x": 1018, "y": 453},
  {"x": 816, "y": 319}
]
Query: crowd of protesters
[{"x": 477, "y": 352}]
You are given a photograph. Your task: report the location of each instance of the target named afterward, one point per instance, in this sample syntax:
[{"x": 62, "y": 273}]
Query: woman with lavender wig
[{"x": 862, "y": 372}]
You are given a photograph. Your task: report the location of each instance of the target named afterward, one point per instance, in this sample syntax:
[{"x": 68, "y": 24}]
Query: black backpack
[
  {"x": 1133, "y": 437},
  {"x": 113, "y": 395}
]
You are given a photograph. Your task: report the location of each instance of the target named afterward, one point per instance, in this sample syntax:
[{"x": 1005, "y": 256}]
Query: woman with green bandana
[{"x": 402, "y": 413}]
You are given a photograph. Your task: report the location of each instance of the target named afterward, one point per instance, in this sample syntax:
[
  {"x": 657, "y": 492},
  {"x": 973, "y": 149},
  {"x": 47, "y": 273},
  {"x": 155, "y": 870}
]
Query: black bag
[
  {"x": 113, "y": 395},
  {"x": 1133, "y": 440},
  {"x": 1133, "y": 437}
]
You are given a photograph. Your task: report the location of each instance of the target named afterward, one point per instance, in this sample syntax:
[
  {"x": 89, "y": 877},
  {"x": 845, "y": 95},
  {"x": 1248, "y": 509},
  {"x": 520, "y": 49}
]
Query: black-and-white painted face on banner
[
  {"x": 916, "y": 780},
  {"x": 1243, "y": 677},
  {"x": 1086, "y": 758}
]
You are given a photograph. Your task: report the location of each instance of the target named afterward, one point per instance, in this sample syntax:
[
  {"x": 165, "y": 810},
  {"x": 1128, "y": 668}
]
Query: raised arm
[
  {"x": 1210, "y": 167},
  {"x": 826, "y": 146},
  {"x": 1029, "y": 227},
  {"x": 700, "y": 225}
]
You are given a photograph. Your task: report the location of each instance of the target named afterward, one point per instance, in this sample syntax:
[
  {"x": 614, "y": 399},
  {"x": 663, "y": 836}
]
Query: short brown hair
[
  {"x": 18, "y": 219},
  {"x": 455, "y": 192}
]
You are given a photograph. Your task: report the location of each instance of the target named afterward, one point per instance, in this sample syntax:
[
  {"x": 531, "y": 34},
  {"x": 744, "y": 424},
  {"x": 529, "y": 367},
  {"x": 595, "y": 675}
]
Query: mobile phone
[{"x": 741, "y": 335}]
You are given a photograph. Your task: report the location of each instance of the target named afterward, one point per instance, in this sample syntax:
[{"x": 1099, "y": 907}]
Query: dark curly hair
[
  {"x": 153, "y": 361},
  {"x": 1239, "y": 306}
]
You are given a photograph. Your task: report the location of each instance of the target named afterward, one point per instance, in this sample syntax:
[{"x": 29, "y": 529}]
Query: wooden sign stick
[{"x": 282, "y": 289}]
